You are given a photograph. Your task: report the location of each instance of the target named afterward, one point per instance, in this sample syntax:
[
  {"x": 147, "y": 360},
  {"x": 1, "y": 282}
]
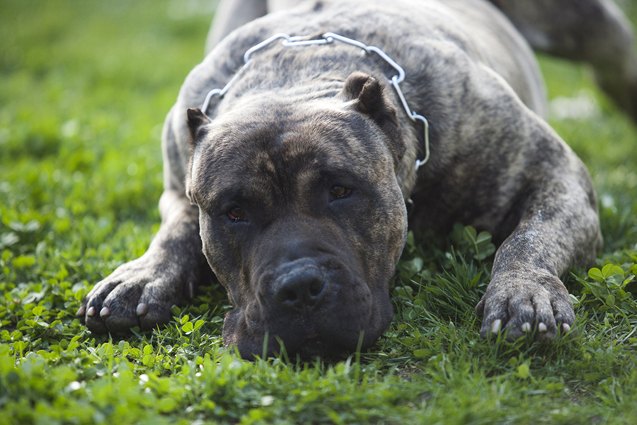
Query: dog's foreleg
[
  {"x": 557, "y": 229},
  {"x": 141, "y": 292}
]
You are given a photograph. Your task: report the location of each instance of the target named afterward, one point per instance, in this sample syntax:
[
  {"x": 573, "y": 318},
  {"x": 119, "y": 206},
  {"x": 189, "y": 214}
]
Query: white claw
[
  {"x": 542, "y": 327},
  {"x": 104, "y": 312},
  {"x": 526, "y": 327},
  {"x": 142, "y": 309},
  {"x": 566, "y": 327},
  {"x": 91, "y": 311},
  {"x": 81, "y": 311},
  {"x": 496, "y": 326}
]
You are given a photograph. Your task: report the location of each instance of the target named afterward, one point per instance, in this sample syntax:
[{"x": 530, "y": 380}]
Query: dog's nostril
[
  {"x": 288, "y": 296},
  {"x": 316, "y": 287}
]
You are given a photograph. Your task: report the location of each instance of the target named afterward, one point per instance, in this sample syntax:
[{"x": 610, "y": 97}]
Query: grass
[{"x": 84, "y": 87}]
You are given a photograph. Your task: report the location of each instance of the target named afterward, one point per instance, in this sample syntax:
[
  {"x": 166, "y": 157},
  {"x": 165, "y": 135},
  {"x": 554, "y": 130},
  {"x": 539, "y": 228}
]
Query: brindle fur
[{"x": 311, "y": 268}]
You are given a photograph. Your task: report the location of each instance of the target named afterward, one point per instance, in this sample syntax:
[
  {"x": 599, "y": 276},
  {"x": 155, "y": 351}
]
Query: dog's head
[{"x": 301, "y": 216}]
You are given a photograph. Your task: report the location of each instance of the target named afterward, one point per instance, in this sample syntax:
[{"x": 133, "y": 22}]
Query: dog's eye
[
  {"x": 236, "y": 214},
  {"x": 339, "y": 192}
]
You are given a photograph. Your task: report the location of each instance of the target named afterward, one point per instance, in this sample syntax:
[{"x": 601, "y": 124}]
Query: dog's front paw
[
  {"x": 525, "y": 303},
  {"x": 139, "y": 293}
]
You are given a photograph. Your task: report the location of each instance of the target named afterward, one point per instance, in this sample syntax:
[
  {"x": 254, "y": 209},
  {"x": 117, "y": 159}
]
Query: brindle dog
[{"x": 291, "y": 188}]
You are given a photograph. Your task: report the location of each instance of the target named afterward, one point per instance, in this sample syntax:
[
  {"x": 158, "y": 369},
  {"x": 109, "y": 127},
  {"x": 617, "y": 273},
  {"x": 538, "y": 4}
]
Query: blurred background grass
[{"x": 84, "y": 89}]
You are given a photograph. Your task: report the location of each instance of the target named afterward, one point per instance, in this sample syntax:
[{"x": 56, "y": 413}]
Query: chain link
[{"x": 329, "y": 38}]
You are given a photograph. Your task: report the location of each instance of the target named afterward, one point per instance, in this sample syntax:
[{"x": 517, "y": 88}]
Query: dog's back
[
  {"x": 592, "y": 31},
  {"x": 401, "y": 28}
]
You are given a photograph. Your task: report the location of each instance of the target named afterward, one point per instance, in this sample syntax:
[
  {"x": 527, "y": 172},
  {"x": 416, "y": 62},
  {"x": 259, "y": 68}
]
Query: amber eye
[
  {"x": 339, "y": 192},
  {"x": 236, "y": 214}
]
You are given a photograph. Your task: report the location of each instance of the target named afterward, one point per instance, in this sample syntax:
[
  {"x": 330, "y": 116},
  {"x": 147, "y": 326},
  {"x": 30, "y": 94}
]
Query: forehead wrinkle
[
  {"x": 350, "y": 141},
  {"x": 226, "y": 162},
  {"x": 213, "y": 165}
]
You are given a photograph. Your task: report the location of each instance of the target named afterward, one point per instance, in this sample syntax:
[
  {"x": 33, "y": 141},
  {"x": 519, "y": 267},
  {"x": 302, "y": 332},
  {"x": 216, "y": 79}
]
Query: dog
[{"x": 289, "y": 160}]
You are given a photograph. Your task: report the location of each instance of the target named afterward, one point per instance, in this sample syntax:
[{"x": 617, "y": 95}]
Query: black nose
[{"x": 300, "y": 288}]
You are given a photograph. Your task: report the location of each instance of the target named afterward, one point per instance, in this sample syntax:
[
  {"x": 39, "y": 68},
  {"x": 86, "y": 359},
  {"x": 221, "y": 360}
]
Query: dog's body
[{"x": 301, "y": 171}]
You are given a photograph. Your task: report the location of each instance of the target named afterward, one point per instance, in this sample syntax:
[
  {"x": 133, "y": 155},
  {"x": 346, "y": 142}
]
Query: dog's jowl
[{"x": 289, "y": 186}]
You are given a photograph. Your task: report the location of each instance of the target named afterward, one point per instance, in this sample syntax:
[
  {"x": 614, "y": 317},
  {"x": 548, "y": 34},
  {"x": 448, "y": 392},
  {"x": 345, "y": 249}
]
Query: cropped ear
[
  {"x": 368, "y": 97},
  {"x": 196, "y": 120}
]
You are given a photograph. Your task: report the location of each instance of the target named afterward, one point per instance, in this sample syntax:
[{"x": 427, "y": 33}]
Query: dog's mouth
[
  {"x": 315, "y": 347},
  {"x": 311, "y": 347},
  {"x": 331, "y": 334}
]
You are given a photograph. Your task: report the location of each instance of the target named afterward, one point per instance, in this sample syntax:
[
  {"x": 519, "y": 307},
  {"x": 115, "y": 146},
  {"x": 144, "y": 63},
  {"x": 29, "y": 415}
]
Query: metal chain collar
[{"x": 329, "y": 38}]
